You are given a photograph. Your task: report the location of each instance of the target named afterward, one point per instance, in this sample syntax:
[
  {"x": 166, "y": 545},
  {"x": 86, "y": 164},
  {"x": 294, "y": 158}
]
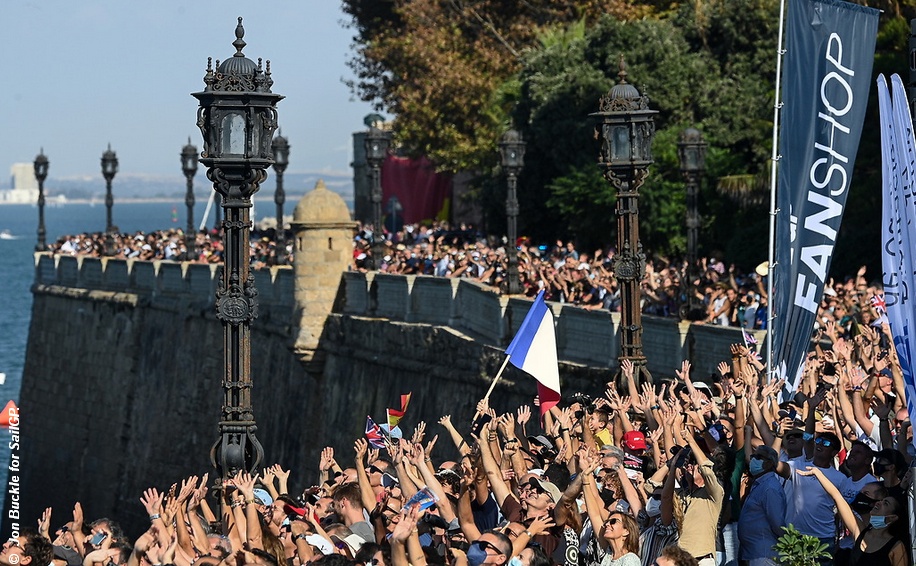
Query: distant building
[{"x": 23, "y": 185}]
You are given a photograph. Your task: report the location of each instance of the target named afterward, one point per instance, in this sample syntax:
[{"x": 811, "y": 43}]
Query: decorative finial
[
  {"x": 239, "y": 43},
  {"x": 189, "y": 140},
  {"x": 623, "y": 70},
  {"x": 109, "y": 146}
]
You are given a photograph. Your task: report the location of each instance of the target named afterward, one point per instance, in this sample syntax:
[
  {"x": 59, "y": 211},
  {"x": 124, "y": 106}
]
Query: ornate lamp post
[
  {"x": 691, "y": 150},
  {"x": 41, "y": 173},
  {"x": 189, "y": 168},
  {"x": 512, "y": 158},
  {"x": 280, "y": 149},
  {"x": 625, "y": 127},
  {"x": 377, "y": 142},
  {"x": 109, "y": 170},
  {"x": 237, "y": 117}
]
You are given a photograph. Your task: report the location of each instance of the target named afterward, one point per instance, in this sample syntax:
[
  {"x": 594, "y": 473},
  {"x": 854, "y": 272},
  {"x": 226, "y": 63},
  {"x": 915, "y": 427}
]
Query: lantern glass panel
[
  {"x": 233, "y": 130},
  {"x": 691, "y": 159},
  {"x": 620, "y": 143}
]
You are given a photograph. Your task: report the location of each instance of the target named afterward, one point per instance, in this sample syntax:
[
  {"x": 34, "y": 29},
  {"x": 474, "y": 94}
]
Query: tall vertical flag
[
  {"x": 898, "y": 157},
  {"x": 830, "y": 50},
  {"x": 395, "y": 415},
  {"x": 534, "y": 351}
]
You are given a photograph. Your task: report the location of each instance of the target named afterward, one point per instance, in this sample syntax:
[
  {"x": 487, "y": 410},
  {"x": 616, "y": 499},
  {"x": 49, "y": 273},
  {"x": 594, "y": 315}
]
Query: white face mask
[{"x": 654, "y": 507}]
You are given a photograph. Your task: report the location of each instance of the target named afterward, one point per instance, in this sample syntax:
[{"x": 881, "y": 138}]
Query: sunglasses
[
  {"x": 793, "y": 436},
  {"x": 484, "y": 545},
  {"x": 612, "y": 521},
  {"x": 14, "y": 542},
  {"x": 373, "y": 470},
  {"x": 825, "y": 442}
]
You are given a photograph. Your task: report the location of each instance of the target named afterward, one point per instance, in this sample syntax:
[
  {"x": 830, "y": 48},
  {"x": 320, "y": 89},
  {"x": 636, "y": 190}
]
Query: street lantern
[
  {"x": 512, "y": 159},
  {"x": 625, "y": 126},
  {"x": 189, "y": 168},
  {"x": 237, "y": 117},
  {"x": 691, "y": 151},
  {"x": 377, "y": 142},
  {"x": 280, "y": 148},
  {"x": 41, "y": 173},
  {"x": 109, "y": 170}
]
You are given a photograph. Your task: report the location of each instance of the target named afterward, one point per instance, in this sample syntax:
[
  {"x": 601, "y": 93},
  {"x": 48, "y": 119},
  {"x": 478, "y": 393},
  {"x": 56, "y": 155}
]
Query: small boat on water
[{"x": 6, "y": 235}]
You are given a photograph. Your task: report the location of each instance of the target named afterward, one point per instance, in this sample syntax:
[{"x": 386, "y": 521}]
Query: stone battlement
[{"x": 584, "y": 337}]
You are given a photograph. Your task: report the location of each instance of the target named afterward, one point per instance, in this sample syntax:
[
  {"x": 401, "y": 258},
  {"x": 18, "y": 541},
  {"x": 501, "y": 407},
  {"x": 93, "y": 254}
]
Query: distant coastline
[{"x": 128, "y": 200}]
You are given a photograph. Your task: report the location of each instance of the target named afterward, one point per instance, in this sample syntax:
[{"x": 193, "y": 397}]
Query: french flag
[{"x": 534, "y": 351}]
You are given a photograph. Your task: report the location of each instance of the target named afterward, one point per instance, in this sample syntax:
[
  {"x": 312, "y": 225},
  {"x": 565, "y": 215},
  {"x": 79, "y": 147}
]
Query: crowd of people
[
  {"x": 172, "y": 245},
  {"x": 692, "y": 471},
  {"x": 722, "y": 294}
]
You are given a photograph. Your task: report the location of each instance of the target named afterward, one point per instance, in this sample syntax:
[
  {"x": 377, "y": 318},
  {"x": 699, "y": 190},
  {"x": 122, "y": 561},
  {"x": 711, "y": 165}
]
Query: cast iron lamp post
[
  {"x": 691, "y": 151},
  {"x": 625, "y": 127},
  {"x": 41, "y": 173},
  {"x": 237, "y": 117},
  {"x": 189, "y": 168},
  {"x": 377, "y": 142},
  {"x": 512, "y": 157},
  {"x": 109, "y": 170},
  {"x": 280, "y": 149}
]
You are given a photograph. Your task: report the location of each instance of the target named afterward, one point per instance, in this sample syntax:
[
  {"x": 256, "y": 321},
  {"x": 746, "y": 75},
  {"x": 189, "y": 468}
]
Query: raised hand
[
  {"x": 626, "y": 368},
  {"x": 372, "y": 456},
  {"x": 188, "y": 486},
  {"x": 281, "y": 474},
  {"x": 541, "y": 525},
  {"x": 267, "y": 476},
  {"x": 326, "y": 462},
  {"x": 44, "y": 523},
  {"x": 152, "y": 501},
  {"x": 483, "y": 406},
  {"x": 419, "y": 432},
  {"x": 445, "y": 420},
  {"x": 684, "y": 373},
  {"x": 523, "y": 415},
  {"x": 430, "y": 445},
  {"x": 360, "y": 446}
]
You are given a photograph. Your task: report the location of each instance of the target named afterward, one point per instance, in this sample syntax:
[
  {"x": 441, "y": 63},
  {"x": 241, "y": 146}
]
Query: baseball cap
[{"x": 634, "y": 440}]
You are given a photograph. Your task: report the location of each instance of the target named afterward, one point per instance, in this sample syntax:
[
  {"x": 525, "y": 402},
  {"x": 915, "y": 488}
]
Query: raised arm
[{"x": 843, "y": 509}]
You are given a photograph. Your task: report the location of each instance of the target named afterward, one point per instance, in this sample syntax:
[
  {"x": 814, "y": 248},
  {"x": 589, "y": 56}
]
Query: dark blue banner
[{"x": 830, "y": 47}]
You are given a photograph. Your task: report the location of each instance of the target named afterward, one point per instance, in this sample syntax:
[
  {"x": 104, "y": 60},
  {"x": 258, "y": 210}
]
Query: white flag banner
[{"x": 898, "y": 152}]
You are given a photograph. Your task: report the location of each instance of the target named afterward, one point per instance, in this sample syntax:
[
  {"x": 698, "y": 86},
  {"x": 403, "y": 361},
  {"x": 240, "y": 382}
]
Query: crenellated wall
[{"x": 121, "y": 387}]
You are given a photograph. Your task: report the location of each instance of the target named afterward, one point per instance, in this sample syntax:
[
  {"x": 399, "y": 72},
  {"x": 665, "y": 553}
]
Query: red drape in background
[{"x": 423, "y": 193}]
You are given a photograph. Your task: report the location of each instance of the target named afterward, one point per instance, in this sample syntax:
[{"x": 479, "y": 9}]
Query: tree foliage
[{"x": 455, "y": 74}]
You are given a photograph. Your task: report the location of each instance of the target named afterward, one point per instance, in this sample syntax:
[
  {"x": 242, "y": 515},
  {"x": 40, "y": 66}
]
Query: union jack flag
[
  {"x": 374, "y": 434},
  {"x": 748, "y": 339},
  {"x": 877, "y": 301}
]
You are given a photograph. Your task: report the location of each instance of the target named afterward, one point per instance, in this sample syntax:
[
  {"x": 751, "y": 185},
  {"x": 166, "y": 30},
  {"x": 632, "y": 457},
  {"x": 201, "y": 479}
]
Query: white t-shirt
[{"x": 813, "y": 510}]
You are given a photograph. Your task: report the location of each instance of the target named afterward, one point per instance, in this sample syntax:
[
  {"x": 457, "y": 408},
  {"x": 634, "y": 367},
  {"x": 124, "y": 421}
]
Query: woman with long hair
[{"x": 620, "y": 538}]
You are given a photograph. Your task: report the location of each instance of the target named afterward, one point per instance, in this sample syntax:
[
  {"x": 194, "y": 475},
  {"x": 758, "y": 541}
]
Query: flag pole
[
  {"x": 774, "y": 159},
  {"x": 495, "y": 379}
]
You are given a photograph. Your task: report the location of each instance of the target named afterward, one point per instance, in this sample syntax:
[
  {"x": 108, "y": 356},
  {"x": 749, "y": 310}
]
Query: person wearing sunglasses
[
  {"x": 492, "y": 547},
  {"x": 811, "y": 507},
  {"x": 620, "y": 540}
]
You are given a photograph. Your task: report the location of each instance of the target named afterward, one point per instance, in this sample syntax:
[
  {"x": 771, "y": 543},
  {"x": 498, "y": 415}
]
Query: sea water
[{"x": 19, "y": 226}]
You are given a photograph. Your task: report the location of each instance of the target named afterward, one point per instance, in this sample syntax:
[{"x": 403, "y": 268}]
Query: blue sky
[{"x": 81, "y": 74}]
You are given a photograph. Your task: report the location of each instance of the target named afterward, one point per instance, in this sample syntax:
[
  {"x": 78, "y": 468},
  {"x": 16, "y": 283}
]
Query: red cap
[{"x": 634, "y": 440}]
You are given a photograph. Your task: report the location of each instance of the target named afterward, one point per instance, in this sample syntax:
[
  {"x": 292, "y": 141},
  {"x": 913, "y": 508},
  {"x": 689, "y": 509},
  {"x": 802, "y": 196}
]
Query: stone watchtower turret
[{"x": 323, "y": 250}]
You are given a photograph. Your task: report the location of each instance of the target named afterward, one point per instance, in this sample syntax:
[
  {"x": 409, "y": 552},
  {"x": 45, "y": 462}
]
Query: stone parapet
[
  {"x": 584, "y": 337},
  {"x": 192, "y": 282}
]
